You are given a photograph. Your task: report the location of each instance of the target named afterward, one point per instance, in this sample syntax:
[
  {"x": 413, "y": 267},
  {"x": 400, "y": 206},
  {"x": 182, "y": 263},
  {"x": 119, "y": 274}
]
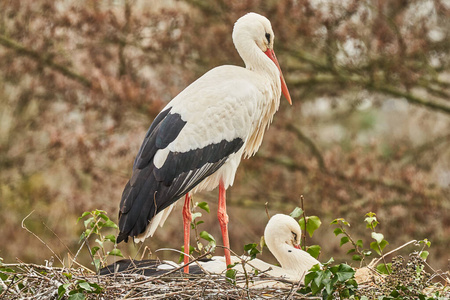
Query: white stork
[
  {"x": 197, "y": 141},
  {"x": 282, "y": 236}
]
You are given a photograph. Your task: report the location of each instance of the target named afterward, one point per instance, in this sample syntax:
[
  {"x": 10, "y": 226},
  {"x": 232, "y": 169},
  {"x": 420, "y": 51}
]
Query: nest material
[{"x": 29, "y": 281}]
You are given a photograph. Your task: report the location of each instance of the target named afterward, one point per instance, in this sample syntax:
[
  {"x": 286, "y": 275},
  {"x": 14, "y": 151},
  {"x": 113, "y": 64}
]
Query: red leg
[
  {"x": 223, "y": 220},
  {"x": 187, "y": 218}
]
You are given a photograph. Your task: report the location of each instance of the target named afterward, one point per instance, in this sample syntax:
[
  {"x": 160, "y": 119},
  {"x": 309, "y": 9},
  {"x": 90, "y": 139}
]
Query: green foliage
[
  {"x": 296, "y": 213},
  {"x": 230, "y": 274},
  {"x": 78, "y": 290},
  {"x": 203, "y": 235},
  {"x": 252, "y": 250},
  {"x": 95, "y": 224},
  {"x": 312, "y": 224},
  {"x": 314, "y": 250},
  {"x": 330, "y": 281}
]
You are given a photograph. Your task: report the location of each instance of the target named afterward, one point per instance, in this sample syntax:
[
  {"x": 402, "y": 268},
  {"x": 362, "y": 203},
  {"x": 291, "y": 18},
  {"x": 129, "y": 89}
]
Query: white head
[
  {"x": 253, "y": 28},
  {"x": 253, "y": 36},
  {"x": 281, "y": 230},
  {"x": 282, "y": 236}
]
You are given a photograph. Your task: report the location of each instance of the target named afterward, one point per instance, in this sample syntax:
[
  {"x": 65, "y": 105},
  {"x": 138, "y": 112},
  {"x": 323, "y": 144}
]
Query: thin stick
[
  {"x": 304, "y": 219},
  {"x": 267, "y": 210},
  {"x": 374, "y": 262},
  {"x": 25, "y": 227}
]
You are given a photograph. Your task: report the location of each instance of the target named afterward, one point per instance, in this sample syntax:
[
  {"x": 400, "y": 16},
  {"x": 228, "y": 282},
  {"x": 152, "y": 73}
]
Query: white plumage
[{"x": 197, "y": 141}]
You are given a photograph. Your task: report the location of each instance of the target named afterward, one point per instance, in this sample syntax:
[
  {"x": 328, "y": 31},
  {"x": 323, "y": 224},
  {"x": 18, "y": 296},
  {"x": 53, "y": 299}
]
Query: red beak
[
  {"x": 297, "y": 247},
  {"x": 271, "y": 54}
]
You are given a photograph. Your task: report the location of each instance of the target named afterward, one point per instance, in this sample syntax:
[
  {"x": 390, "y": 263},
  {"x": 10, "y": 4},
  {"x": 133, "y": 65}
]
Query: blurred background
[{"x": 369, "y": 128}]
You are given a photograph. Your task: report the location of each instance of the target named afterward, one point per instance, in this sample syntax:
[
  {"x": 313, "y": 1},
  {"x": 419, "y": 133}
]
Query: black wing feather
[{"x": 150, "y": 189}]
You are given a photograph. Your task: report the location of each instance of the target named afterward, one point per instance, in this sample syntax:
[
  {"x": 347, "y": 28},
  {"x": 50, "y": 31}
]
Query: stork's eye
[
  {"x": 294, "y": 234},
  {"x": 268, "y": 37}
]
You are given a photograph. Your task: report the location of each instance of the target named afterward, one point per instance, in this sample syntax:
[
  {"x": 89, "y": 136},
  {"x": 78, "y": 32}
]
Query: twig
[
  {"x": 48, "y": 247},
  {"x": 266, "y": 205},
  {"x": 45, "y": 60},
  {"x": 374, "y": 262},
  {"x": 304, "y": 219}
]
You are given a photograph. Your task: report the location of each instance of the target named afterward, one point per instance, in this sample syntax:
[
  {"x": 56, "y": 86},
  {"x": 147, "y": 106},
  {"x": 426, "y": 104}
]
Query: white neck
[
  {"x": 255, "y": 59},
  {"x": 292, "y": 259}
]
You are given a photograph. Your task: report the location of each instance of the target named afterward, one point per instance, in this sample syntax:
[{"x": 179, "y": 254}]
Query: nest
[{"x": 30, "y": 281}]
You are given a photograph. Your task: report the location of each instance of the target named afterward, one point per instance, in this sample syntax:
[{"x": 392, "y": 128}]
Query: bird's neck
[
  {"x": 293, "y": 260},
  {"x": 258, "y": 62},
  {"x": 255, "y": 59}
]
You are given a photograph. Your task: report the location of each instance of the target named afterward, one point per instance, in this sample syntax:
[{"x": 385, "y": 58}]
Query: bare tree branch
[
  {"x": 309, "y": 143},
  {"x": 46, "y": 61}
]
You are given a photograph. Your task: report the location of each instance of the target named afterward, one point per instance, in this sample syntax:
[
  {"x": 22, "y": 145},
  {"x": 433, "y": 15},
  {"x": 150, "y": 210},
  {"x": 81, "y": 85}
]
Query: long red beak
[
  {"x": 271, "y": 54},
  {"x": 297, "y": 247}
]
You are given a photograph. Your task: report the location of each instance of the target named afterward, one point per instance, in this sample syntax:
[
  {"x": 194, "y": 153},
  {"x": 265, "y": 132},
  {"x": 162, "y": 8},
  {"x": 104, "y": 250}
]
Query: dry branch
[{"x": 44, "y": 60}]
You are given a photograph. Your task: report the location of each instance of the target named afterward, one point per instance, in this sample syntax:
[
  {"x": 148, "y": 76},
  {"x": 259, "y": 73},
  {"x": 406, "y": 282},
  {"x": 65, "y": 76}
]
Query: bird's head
[
  {"x": 254, "y": 28},
  {"x": 282, "y": 229}
]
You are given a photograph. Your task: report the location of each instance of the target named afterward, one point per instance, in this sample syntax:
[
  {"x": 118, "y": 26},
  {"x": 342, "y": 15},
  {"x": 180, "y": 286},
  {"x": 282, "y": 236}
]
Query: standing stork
[{"x": 197, "y": 141}]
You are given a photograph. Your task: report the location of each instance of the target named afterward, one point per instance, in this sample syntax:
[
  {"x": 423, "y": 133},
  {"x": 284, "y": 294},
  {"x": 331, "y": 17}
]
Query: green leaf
[
  {"x": 297, "y": 212},
  {"x": 351, "y": 250},
  {"x": 345, "y": 272},
  {"x": 316, "y": 268},
  {"x": 99, "y": 242},
  {"x": 314, "y": 251},
  {"x": 68, "y": 275},
  {"x": 370, "y": 220},
  {"x": 309, "y": 277},
  {"x": 83, "y": 215},
  {"x": 328, "y": 286},
  {"x": 77, "y": 296},
  {"x": 97, "y": 289},
  {"x": 85, "y": 286},
  {"x": 356, "y": 257},
  {"x": 231, "y": 275},
  {"x": 205, "y": 235},
  {"x": 191, "y": 249},
  {"x": 196, "y": 215},
  {"x": 382, "y": 268},
  {"x": 103, "y": 216},
  {"x": 97, "y": 263},
  {"x": 312, "y": 223},
  {"x": 199, "y": 222},
  {"x": 94, "y": 250},
  {"x": 62, "y": 290},
  {"x": 344, "y": 240},
  {"x": 379, "y": 237},
  {"x": 359, "y": 243},
  {"x": 111, "y": 238},
  {"x": 424, "y": 254},
  {"x": 115, "y": 252},
  {"x": 204, "y": 206},
  {"x": 315, "y": 288},
  {"x": 338, "y": 231},
  {"x": 383, "y": 244},
  {"x": 374, "y": 246},
  {"x": 252, "y": 250},
  {"x": 111, "y": 224},
  {"x": 88, "y": 222},
  {"x": 330, "y": 261}
]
